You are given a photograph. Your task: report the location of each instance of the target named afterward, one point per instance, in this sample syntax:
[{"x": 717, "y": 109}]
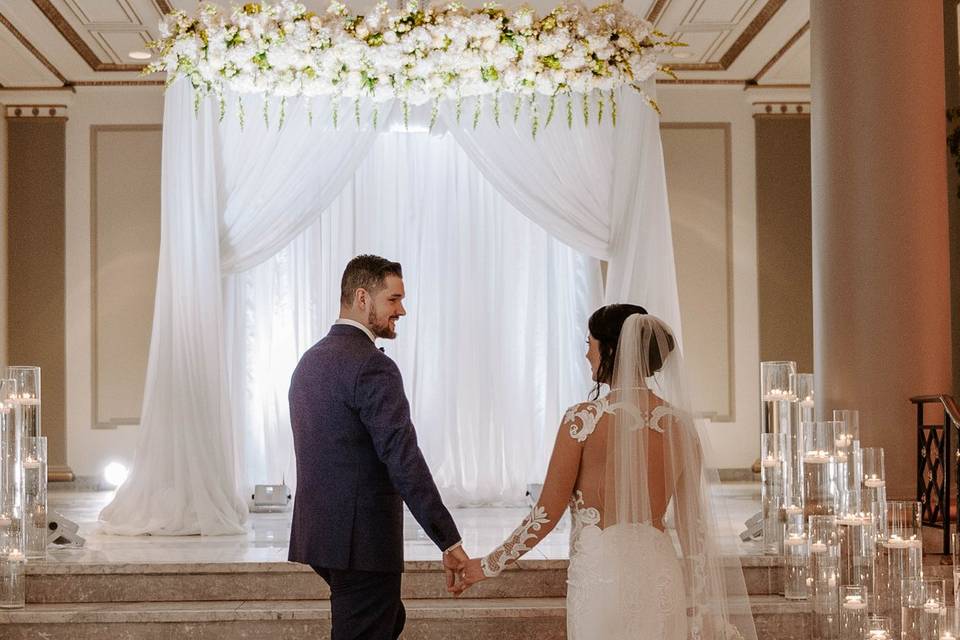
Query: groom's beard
[{"x": 382, "y": 328}]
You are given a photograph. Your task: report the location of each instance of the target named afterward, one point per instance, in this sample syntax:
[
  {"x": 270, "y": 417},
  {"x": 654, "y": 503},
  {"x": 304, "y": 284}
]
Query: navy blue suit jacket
[{"x": 357, "y": 459}]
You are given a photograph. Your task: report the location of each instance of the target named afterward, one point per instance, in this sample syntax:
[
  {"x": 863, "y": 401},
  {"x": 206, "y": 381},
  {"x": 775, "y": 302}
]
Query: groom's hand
[{"x": 453, "y": 562}]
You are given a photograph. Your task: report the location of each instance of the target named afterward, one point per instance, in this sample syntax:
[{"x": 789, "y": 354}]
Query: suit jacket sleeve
[{"x": 385, "y": 413}]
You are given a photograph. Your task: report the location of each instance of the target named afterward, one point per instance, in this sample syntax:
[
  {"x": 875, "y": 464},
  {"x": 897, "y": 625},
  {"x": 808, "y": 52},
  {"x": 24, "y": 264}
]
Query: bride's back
[{"x": 651, "y": 417}]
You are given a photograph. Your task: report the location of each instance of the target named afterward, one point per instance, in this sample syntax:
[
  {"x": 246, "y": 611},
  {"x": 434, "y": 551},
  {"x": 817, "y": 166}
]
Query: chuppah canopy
[{"x": 243, "y": 175}]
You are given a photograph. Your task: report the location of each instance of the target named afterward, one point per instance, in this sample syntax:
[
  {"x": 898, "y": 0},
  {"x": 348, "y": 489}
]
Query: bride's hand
[{"x": 470, "y": 574}]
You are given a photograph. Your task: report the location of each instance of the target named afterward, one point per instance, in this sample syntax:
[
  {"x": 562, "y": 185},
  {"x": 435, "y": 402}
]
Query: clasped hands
[{"x": 461, "y": 571}]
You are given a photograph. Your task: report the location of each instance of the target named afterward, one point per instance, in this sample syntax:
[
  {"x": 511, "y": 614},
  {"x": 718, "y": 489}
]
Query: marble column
[
  {"x": 951, "y": 56},
  {"x": 881, "y": 283}
]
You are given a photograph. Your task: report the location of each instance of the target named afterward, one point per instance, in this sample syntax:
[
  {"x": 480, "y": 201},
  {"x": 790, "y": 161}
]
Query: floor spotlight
[{"x": 115, "y": 474}]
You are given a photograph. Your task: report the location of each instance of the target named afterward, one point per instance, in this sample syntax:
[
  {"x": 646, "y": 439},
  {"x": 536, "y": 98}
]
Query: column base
[{"x": 60, "y": 473}]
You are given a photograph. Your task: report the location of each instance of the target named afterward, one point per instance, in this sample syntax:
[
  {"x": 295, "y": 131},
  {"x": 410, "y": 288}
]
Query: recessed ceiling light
[
  {"x": 139, "y": 55},
  {"x": 677, "y": 54}
]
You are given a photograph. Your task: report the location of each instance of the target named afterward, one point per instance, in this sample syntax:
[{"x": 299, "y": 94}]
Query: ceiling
[{"x": 52, "y": 44}]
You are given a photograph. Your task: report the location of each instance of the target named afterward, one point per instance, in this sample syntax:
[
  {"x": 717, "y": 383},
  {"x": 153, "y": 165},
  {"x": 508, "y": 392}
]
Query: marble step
[
  {"x": 64, "y": 582},
  {"x": 57, "y": 582},
  {"x": 427, "y": 619}
]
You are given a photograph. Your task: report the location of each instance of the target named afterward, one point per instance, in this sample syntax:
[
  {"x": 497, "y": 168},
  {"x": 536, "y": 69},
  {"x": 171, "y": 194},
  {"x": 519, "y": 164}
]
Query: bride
[{"x": 624, "y": 463}]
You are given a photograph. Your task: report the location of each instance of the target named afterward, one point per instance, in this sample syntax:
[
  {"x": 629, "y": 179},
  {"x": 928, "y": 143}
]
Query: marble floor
[{"x": 268, "y": 534}]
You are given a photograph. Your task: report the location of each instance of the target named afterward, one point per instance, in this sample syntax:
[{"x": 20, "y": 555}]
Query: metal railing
[{"x": 937, "y": 469}]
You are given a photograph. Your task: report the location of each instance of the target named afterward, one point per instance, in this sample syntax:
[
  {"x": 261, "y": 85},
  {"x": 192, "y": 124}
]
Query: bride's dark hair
[{"x": 605, "y": 325}]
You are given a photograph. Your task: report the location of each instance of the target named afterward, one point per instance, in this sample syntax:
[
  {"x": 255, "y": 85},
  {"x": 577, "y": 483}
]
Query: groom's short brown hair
[{"x": 366, "y": 272}]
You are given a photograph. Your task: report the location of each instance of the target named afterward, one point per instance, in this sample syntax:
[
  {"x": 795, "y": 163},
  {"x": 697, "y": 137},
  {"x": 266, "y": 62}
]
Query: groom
[{"x": 358, "y": 461}]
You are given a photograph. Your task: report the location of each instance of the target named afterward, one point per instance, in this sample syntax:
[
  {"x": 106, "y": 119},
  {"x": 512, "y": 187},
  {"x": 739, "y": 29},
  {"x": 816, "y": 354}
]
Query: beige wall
[
  {"x": 35, "y": 276},
  {"x": 697, "y": 159},
  {"x": 734, "y": 443},
  {"x": 3, "y": 237},
  {"x": 784, "y": 268},
  {"x": 125, "y": 243},
  {"x": 91, "y": 449}
]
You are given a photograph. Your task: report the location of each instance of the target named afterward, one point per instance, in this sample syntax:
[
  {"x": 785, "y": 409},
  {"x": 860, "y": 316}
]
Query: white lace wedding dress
[{"x": 655, "y": 583}]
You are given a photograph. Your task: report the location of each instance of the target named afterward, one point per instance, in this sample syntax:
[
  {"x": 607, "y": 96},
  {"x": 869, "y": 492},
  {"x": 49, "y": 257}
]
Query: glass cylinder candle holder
[
  {"x": 848, "y": 433},
  {"x": 776, "y": 379},
  {"x": 35, "y": 496},
  {"x": 854, "y": 469},
  {"x": 853, "y": 612},
  {"x": 874, "y": 476},
  {"x": 803, "y": 387},
  {"x": 12, "y": 580},
  {"x": 803, "y": 412},
  {"x": 951, "y": 625},
  {"x": 874, "y": 488},
  {"x": 857, "y": 542},
  {"x": 922, "y": 609},
  {"x": 851, "y": 423},
  {"x": 934, "y": 607},
  {"x": 878, "y": 628},
  {"x": 819, "y": 467},
  {"x": 774, "y": 480},
  {"x": 900, "y": 556},
  {"x": 794, "y": 552},
  {"x": 955, "y": 541},
  {"x": 11, "y": 501},
  {"x": 28, "y": 398},
  {"x": 823, "y": 569},
  {"x": 777, "y": 394}
]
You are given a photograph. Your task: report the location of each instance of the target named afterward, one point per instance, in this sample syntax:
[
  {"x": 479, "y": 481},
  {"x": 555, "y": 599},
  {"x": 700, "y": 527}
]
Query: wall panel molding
[
  {"x": 107, "y": 384},
  {"x": 724, "y": 264}
]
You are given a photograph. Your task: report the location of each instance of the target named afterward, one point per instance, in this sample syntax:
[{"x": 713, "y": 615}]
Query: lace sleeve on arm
[
  {"x": 557, "y": 490},
  {"x": 516, "y": 545}
]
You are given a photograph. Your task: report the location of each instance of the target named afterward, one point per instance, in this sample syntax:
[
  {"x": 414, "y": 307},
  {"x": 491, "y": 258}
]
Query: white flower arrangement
[{"x": 416, "y": 55}]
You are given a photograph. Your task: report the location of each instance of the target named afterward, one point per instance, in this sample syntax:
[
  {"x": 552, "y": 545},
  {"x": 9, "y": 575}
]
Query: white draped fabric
[
  {"x": 234, "y": 198},
  {"x": 485, "y": 286}
]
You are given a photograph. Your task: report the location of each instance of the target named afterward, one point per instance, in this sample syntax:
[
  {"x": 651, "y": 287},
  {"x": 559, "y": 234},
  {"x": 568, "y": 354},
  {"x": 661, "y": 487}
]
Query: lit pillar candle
[
  {"x": 817, "y": 457},
  {"x": 931, "y": 606},
  {"x": 794, "y": 540}
]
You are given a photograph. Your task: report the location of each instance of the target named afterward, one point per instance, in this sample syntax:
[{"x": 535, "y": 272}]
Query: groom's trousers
[{"x": 364, "y": 605}]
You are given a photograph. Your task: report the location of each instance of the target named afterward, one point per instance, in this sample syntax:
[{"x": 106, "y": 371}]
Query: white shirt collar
[{"x": 354, "y": 323}]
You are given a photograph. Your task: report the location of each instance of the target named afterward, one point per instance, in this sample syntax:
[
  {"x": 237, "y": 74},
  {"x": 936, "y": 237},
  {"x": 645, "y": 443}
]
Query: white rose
[
  {"x": 522, "y": 19},
  {"x": 578, "y": 82},
  {"x": 545, "y": 86},
  {"x": 362, "y": 31}
]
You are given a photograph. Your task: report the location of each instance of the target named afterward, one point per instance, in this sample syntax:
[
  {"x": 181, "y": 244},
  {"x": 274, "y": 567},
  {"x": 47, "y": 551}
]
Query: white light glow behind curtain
[{"x": 492, "y": 346}]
